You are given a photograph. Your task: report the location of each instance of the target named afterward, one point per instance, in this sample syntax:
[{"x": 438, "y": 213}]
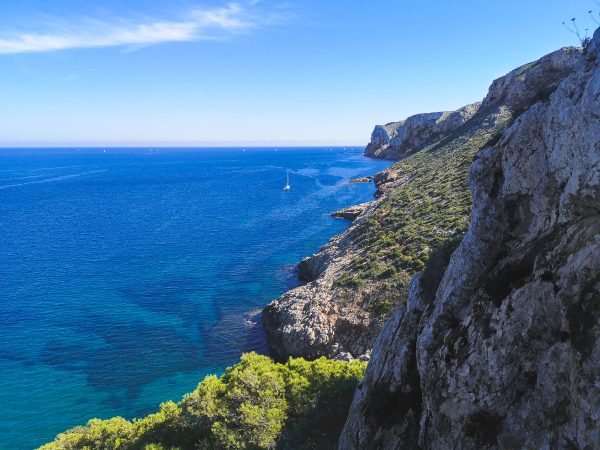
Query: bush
[{"x": 256, "y": 404}]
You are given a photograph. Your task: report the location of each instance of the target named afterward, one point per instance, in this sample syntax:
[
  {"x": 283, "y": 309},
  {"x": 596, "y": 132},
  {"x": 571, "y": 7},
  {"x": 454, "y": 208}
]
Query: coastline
[
  {"x": 317, "y": 273},
  {"x": 468, "y": 285},
  {"x": 310, "y": 268},
  {"x": 422, "y": 209}
]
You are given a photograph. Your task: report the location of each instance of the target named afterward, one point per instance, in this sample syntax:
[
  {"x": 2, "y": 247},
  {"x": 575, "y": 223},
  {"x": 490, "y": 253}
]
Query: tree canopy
[{"x": 256, "y": 404}]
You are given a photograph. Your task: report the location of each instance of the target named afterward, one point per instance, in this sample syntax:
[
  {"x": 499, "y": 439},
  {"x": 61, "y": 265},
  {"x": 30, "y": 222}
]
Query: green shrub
[
  {"x": 256, "y": 404},
  {"x": 381, "y": 307},
  {"x": 349, "y": 281}
]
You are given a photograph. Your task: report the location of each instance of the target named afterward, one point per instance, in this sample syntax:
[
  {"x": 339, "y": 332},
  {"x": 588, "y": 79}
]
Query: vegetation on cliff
[
  {"x": 256, "y": 404},
  {"x": 426, "y": 211},
  {"x": 423, "y": 211},
  {"x": 505, "y": 353}
]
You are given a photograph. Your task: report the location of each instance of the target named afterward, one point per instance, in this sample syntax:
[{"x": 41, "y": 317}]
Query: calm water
[{"x": 126, "y": 276}]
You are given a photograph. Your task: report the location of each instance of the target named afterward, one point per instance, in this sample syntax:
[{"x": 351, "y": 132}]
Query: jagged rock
[
  {"x": 362, "y": 180},
  {"x": 507, "y": 352},
  {"x": 532, "y": 82},
  {"x": 380, "y": 137},
  {"x": 344, "y": 356},
  {"x": 314, "y": 319},
  {"x": 384, "y": 181},
  {"x": 365, "y": 357},
  {"x": 352, "y": 212},
  {"x": 311, "y": 267},
  {"x": 395, "y": 139},
  {"x": 394, "y": 402},
  {"x": 514, "y": 91}
]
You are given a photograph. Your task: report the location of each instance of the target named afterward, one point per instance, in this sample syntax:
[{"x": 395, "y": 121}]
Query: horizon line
[{"x": 75, "y": 147}]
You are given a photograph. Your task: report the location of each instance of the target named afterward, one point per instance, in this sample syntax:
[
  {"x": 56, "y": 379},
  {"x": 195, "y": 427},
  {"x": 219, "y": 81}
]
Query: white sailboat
[{"x": 287, "y": 186}]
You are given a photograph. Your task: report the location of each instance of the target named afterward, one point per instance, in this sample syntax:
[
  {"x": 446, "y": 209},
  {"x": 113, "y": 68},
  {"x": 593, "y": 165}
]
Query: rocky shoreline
[
  {"x": 493, "y": 335},
  {"x": 351, "y": 213},
  {"x": 334, "y": 313},
  {"x": 471, "y": 285}
]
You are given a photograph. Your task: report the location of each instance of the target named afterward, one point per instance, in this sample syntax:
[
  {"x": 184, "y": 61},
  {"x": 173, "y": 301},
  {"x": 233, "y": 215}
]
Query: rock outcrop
[
  {"x": 352, "y": 212},
  {"x": 506, "y": 352},
  {"x": 309, "y": 320},
  {"x": 362, "y": 275},
  {"x": 396, "y": 139},
  {"x": 362, "y": 179}
]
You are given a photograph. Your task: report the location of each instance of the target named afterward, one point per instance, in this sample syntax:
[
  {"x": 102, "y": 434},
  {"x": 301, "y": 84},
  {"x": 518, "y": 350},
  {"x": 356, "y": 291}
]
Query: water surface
[{"x": 128, "y": 275}]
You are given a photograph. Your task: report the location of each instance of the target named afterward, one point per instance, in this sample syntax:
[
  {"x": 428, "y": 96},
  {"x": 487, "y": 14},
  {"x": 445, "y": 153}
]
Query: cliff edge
[
  {"x": 360, "y": 277},
  {"x": 396, "y": 139},
  {"x": 505, "y": 353}
]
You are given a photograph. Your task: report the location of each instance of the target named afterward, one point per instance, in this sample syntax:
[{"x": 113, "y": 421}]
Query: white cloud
[{"x": 197, "y": 24}]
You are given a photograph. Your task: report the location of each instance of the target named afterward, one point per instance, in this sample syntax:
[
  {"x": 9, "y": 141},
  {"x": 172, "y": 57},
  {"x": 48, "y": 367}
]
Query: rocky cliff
[
  {"x": 357, "y": 280},
  {"x": 505, "y": 353},
  {"x": 396, "y": 139}
]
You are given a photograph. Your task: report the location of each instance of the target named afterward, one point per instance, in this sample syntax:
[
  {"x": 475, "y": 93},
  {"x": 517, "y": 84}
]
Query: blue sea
[{"x": 127, "y": 275}]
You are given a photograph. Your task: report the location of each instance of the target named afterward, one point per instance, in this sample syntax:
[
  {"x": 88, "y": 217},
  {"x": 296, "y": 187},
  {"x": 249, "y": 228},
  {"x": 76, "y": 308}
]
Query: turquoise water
[{"x": 127, "y": 275}]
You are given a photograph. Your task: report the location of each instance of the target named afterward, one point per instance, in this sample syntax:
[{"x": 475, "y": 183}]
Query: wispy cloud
[{"x": 196, "y": 24}]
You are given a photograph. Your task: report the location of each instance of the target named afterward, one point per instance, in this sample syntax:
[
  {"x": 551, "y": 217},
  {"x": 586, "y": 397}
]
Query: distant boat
[{"x": 287, "y": 186}]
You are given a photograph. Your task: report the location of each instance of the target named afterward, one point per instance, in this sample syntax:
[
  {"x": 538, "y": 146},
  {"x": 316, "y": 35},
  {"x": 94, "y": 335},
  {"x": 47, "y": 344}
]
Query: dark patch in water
[
  {"x": 289, "y": 274},
  {"x": 171, "y": 296},
  {"x": 135, "y": 355}
]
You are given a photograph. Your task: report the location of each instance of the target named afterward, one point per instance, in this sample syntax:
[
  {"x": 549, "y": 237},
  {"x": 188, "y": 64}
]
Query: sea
[{"x": 127, "y": 275}]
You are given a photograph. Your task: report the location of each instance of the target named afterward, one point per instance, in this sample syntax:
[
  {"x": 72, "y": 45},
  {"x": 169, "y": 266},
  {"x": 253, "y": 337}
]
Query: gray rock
[
  {"x": 365, "y": 357},
  {"x": 531, "y": 82},
  {"x": 352, "y": 212},
  {"x": 311, "y": 267},
  {"x": 344, "y": 356},
  {"x": 362, "y": 180},
  {"x": 317, "y": 319},
  {"x": 394, "y": 140},
  {"x": 507, "y": 354}
]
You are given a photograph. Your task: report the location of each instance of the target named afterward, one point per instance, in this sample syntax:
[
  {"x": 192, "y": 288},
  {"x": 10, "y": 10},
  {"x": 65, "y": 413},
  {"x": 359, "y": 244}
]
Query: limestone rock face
[
  {"x": 395, "y": 139},
  {"x": 313, "y": 320},
  {"x": 334, "y": 252},
  {"x": 325, "y": 318},
  {"x": 534, "y": 81},
  {"x": 507, "y": 352},
  {"x": 352, "y": 212}
]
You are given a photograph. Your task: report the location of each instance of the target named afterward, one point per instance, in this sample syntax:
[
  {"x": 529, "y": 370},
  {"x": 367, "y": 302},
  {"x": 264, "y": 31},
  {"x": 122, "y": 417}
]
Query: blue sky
[{"x": 195, "y": 72}]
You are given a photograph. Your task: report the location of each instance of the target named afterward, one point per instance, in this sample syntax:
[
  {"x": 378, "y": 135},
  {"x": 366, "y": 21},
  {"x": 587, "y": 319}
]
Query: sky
[{"x": 256, "y": 72}]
